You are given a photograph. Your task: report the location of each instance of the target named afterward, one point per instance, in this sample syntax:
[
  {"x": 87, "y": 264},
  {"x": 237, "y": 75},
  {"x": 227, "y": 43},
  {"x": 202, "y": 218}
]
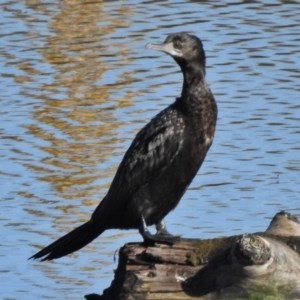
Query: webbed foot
[{"x": 161, "y": 236}]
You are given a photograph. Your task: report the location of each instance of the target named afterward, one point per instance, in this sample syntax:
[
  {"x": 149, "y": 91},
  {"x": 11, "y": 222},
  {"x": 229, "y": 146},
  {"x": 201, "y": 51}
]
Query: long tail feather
[{"x": 71, "y": 242}]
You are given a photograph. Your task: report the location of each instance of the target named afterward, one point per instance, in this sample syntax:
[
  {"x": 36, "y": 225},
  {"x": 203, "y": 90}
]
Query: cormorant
[{"x": 161, "y": 162}]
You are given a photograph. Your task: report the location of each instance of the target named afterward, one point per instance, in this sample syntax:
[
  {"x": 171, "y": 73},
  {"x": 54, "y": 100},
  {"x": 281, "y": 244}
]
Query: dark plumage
[{"x": 161, "y": 162}]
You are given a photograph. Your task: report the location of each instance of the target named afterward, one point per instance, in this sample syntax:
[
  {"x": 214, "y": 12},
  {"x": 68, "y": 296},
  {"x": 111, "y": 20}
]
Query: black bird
[{"x": 161, "y": 162}]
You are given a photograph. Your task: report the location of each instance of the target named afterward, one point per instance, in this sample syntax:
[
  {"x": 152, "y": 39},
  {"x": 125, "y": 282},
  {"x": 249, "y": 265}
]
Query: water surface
[{"x": 77, "y": 84}]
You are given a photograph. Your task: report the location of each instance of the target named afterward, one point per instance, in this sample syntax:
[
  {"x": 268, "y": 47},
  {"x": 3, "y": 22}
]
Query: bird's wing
[{"x": 150, "y": 153}]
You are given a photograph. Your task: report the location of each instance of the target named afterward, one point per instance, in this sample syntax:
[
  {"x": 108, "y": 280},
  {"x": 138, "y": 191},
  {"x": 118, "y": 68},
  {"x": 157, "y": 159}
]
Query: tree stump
[{"x": 249, "y": 266}]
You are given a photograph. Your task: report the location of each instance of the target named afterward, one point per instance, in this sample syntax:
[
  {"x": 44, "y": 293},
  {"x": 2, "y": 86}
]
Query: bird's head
[{"x": 186, "y": 50}]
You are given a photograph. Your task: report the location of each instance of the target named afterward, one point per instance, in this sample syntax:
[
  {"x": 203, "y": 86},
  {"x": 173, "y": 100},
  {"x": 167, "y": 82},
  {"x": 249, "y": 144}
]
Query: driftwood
[{"x": 250, "y": 266}]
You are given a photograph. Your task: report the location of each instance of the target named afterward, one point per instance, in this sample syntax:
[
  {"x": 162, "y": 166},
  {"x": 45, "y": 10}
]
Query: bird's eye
[{"x": 176, "y": 45}]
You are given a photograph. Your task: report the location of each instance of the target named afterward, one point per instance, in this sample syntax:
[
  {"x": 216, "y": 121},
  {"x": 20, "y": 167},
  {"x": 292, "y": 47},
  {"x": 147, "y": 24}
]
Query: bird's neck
[
  {"x": 195, "y": 92},
  {"x": 193, "y": 82},
  {"x": 192, "y": 85},
  {"x": 193, "y": 74}
]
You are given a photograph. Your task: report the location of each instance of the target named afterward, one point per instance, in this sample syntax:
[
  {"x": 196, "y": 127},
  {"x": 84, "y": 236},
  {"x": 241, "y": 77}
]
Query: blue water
[{"x": 76, "y": 85}]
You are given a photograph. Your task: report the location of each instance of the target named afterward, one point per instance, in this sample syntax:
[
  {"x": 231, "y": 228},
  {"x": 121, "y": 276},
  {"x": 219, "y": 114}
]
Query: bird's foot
[
  {"x": 167, "y": 237},
  {"x": 164, "y": 238},
  {"x": 161, "y": 236}
]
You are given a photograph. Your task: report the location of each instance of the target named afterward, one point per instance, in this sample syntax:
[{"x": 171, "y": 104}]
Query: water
[{"x": 77, "y": 83}]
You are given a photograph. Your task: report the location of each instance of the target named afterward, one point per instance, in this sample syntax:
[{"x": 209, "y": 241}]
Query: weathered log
[{"x": 238, "y": 267}]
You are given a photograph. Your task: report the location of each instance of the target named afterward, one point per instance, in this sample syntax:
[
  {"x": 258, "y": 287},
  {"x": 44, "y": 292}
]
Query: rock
[
  {"x": 284, "y": 224},
  {"x": 250, "y": 266}
]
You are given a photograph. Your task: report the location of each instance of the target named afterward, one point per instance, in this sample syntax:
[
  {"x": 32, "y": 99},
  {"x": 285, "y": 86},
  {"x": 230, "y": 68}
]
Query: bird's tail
[{"x": 70, "y": 242}]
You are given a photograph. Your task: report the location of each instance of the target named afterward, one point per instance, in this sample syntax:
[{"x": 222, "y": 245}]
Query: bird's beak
[{"x": 167, "y": 48}]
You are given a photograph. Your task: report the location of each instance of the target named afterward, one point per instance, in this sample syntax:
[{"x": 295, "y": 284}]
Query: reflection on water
[
  {"x": 77, "y": 108},
  {"x": 77, "y": 84}
]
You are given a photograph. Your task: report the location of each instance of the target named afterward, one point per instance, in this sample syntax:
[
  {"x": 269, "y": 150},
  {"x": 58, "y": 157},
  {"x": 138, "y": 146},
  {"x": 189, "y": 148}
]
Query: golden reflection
[{"x": 80, "y": 134}]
